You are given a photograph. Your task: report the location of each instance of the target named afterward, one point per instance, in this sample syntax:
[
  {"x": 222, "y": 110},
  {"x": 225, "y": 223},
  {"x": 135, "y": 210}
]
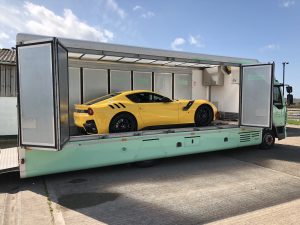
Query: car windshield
[{"x": 102, "y": 98}]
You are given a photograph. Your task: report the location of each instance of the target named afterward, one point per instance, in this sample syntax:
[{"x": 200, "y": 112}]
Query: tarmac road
[{"x": 241, "y": 186}]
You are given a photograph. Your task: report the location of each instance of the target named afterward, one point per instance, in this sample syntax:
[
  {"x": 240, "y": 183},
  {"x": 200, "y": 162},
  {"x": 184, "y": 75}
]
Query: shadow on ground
[{"x": 293, "y": 131}]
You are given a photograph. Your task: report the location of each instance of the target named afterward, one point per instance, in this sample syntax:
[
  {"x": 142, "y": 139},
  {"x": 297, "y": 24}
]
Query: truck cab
[{"x": 279, "y": 112}]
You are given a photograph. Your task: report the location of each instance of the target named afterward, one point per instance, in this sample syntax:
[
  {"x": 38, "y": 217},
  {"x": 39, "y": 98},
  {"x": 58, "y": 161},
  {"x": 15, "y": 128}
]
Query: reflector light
[{"x": 90, "y": 111}]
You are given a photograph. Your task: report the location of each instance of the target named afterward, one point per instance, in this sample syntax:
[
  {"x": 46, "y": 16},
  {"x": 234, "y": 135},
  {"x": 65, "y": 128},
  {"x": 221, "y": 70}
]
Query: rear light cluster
[{"x": 90, "y": 111}]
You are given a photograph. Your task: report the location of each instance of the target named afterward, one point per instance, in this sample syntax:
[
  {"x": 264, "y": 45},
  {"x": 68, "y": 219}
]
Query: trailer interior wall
[{"x": 226, "y": 97}]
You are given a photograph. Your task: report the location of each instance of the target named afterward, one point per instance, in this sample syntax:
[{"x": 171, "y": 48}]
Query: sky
[{"x": 267, "y": 30}]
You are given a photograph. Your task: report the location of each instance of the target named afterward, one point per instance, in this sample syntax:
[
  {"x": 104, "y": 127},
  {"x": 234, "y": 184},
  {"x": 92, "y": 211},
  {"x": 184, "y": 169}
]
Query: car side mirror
[{"x": 289, "y": 89}]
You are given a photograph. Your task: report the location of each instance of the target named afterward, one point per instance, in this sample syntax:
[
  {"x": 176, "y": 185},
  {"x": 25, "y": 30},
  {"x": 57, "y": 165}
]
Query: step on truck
[{"x": 54, "y": 74}]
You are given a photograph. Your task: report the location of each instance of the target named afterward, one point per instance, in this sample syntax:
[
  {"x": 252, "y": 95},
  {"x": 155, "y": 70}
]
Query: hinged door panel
[
  {"x": 43, "y": 94},
  {"x": 256, "y": 95}
]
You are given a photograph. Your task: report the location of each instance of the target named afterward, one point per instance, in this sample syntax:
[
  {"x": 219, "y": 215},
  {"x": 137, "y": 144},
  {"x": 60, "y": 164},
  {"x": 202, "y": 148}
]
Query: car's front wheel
[
  {"x": 123, "y": 122},
  {"x": 204, "y": 115}
]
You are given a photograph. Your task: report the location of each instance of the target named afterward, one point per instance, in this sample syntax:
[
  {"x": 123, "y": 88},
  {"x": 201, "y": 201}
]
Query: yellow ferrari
[{"x": 140, "y": 109}]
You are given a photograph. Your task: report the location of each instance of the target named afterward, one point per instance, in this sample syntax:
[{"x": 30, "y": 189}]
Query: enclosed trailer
[{"x": 56, "y": 73}]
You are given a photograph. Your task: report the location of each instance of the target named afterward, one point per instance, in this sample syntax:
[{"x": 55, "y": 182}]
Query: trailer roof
[{"x": 90, "y": 50}]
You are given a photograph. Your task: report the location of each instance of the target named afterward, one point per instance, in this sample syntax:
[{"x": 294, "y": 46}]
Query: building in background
[
  {"x": 8, "y": 92},
  {"x": 8, "y": 73}
]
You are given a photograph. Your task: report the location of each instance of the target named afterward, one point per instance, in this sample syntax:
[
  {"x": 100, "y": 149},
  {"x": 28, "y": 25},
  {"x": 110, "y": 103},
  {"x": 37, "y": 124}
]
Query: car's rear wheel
[
  {"x": 123, "y": 122},
  {"x": 203, "y": 115}
]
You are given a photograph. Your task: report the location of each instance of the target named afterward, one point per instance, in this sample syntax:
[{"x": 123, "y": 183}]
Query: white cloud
[
  {"x": 287, "y": 3},
  {"x": 37, "y": 19},
  {"x": 3, "y": 36},
  {"x": 196, "y": 41},
  {"x": 270, "y": 47},
  {"x": 148, "y": 14},
  {"x": 143, "y": 12},
  {"x": 137, "y": 7},
  {"x": 177, "y": 43},
  {"x": 113, "y": 5}
]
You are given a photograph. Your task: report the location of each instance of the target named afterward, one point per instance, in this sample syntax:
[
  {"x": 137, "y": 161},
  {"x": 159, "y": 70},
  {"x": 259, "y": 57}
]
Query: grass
[{"x": 294, "y": 122}]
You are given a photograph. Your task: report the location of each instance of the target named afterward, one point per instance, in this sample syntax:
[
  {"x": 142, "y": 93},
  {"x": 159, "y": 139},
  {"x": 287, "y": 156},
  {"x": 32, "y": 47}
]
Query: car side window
[
  {"x": 140, "y": 97},
  {"x": 146, "y": 98},
  {"x": 134, "y": 97},
  {"x": 159, "y": 98}
]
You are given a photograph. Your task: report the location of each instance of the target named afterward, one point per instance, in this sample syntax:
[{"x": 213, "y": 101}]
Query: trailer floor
[{"x": 241, "y": 186}]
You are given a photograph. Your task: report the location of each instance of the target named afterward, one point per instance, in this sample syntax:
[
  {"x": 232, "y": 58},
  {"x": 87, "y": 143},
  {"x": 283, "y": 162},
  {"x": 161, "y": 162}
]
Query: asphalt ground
[{"x": 239, "y": 186}]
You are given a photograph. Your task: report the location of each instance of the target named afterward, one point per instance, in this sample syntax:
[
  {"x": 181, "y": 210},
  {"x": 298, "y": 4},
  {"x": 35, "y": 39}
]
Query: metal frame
[
  {"x": 54, "y": 43},
  {"x": 271, "y": 92},
  {"x": 18, "y": 93}
]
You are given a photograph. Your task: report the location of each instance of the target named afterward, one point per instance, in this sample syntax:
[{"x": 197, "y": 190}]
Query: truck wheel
[
  {"x": 123, "y": 122},
  {"x": 268, "y": 139},
  {"x": 203, "y": 115}
]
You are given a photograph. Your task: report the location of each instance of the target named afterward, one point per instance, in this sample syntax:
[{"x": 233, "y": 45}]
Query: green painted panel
[{"x": 96, "y": 153}]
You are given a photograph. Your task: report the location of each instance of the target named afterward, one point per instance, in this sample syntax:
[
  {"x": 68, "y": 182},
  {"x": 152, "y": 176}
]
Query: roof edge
[{"x": 101, "y": 46}]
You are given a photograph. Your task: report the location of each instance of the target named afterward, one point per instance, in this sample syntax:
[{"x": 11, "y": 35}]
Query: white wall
[
  {"x": 198, "y": 90},
  {"x": 8, "y": 116},
  {"x": 227, "y": 95}
]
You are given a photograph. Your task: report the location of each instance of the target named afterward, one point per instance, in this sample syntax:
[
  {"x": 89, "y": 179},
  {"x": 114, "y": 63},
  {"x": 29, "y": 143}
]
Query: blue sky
[{"x": 267, "y": 30}]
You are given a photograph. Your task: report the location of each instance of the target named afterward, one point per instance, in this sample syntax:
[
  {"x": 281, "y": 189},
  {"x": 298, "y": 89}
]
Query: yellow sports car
[{"x": 139, "y": 109}]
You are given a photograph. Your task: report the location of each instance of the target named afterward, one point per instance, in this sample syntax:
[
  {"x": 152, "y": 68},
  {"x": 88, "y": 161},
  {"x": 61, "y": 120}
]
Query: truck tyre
[
  {"x": 203, "y": 115},
  {"x": 123, "y": 122},
  {"x": 268, "y": 139}
]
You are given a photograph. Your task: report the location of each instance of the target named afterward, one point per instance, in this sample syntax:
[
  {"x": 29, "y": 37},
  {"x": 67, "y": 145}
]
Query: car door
[{"x": 155, "y": 112}]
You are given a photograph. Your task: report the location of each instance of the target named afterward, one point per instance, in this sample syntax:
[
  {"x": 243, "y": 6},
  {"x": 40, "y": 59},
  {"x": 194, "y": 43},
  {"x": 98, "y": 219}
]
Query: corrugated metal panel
[
  {"x": 13, "y": 83},
  {"x": 2, "y": 81},
  {"x": 8, "y": 80},
  {"x": 7, "y": 56}
]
